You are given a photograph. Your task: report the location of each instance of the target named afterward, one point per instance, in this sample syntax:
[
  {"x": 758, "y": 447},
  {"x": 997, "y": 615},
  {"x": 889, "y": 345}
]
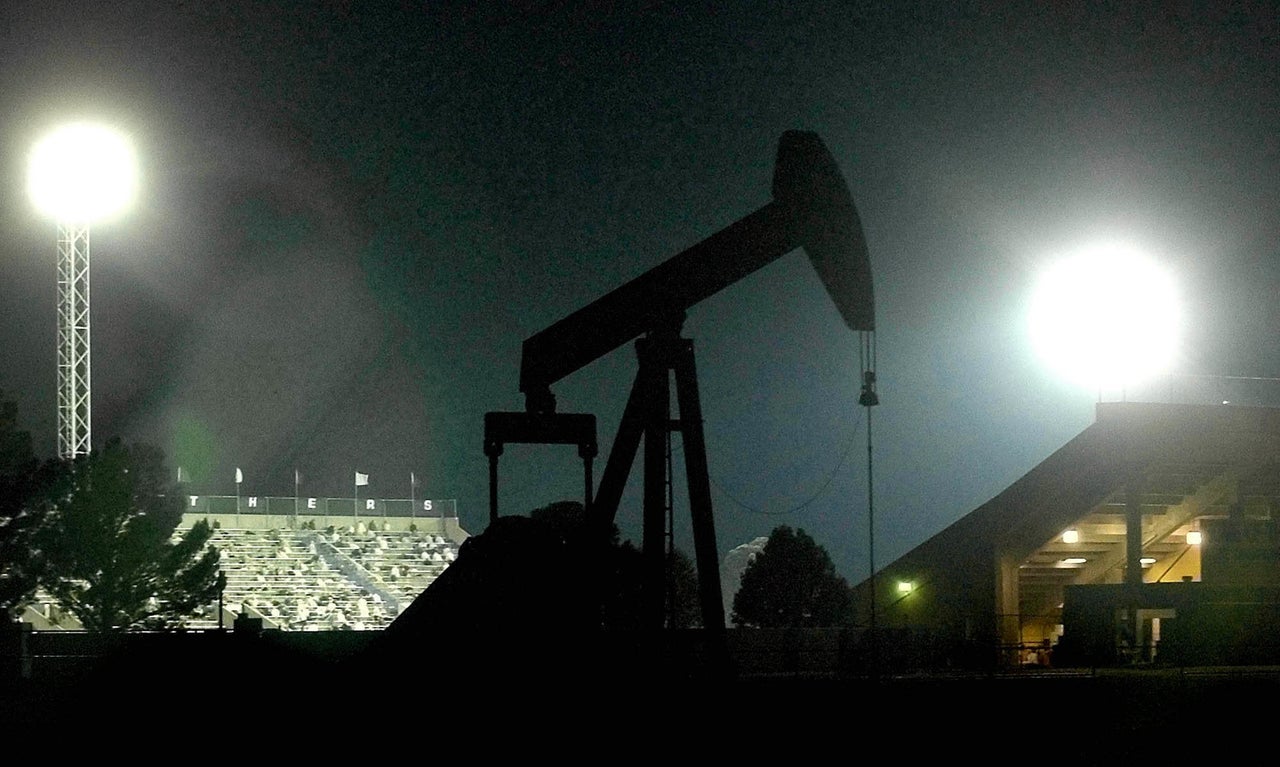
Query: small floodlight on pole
[{"x": 79, "y": 174}]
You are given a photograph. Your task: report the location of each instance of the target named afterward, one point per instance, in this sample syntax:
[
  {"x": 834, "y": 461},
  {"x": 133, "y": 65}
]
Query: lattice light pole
[
  {"x": 80, "y": 174},
  {"x": 73, "y": 341}
]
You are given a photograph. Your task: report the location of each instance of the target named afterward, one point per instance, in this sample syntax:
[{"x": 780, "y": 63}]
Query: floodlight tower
[{"x": 79, "y": 174}]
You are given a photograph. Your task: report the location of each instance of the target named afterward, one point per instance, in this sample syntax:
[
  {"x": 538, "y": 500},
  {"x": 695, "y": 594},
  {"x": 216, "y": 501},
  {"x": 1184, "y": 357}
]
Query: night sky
[{"x": 352, "y": 214}]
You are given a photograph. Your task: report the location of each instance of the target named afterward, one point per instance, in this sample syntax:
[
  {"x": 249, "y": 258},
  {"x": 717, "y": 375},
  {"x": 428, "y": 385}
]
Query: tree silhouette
[
  {"x": 792, "y": 583},
  {"x": 683, "y": 609},
  {"x": 21, "y": 559},
  {"x": 569, "y": 521},
  {"x": 623, "y": 571},
  {"x": 113, "y": 559}
]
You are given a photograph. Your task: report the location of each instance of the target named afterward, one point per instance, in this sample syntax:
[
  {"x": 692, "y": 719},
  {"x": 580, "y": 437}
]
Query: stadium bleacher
[{"x": 356, "y": 576}]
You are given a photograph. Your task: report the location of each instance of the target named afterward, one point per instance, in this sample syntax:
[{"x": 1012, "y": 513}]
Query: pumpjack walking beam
[{"x": 811, "y": 208}]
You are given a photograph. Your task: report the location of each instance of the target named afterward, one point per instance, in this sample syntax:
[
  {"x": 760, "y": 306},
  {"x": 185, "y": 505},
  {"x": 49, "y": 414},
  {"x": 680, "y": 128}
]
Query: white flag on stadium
[
  {"x": 413, "y": 479},
  {"x": 239, "y": 476},
  {"x": 181, "y": 475},
  {"x": 361, "y": 479}
]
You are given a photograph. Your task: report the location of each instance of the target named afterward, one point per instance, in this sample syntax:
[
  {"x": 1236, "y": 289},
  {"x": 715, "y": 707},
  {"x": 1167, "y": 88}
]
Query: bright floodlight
[
  {"x": 82, "y": 173},
  {"x": 79, "y": 175},
  {"x": 1107, "y": 316}
]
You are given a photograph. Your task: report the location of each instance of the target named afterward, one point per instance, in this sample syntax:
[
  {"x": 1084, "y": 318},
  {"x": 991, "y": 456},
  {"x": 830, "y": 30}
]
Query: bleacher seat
[{"x": 302, "y": 581}]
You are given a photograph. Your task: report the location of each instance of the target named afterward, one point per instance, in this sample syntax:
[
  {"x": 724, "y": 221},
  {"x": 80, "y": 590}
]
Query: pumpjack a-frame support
[{"x": 663, "y": 353}]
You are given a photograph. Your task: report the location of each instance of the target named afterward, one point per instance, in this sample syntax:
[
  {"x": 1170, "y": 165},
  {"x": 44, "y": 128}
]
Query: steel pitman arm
[{"x": 811, "y": 208}]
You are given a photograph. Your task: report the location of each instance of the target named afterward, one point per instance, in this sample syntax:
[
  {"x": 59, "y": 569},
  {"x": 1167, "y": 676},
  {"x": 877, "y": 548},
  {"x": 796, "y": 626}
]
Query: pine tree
[
  {"x": 792, "y": 583},
  {"x": 114, "y": 560},
  {"x": 21, "y": 561}
]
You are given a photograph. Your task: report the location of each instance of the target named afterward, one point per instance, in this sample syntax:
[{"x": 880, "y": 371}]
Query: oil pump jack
[{"x": 811, "y": 209}]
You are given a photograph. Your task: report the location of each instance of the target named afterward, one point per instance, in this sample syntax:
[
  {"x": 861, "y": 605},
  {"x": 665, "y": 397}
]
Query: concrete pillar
[{"x": 1133, "y": 534}]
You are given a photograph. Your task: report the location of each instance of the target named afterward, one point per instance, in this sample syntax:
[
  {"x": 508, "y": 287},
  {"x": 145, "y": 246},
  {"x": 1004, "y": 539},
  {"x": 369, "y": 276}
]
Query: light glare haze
[{"x": 349, "y": 217}]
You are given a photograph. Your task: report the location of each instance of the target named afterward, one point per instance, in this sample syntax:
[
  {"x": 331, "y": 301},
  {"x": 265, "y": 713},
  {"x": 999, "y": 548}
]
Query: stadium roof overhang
[{"x": 1179, "y": 465}]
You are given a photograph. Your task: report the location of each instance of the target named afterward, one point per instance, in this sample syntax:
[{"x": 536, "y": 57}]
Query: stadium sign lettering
[{"x": 198, "y": 502}]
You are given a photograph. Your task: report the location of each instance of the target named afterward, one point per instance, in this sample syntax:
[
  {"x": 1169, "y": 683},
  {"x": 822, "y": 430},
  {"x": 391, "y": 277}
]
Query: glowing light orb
[
  {"x": 82, "y": 173},
  {"x": 1106, "y": 316}
]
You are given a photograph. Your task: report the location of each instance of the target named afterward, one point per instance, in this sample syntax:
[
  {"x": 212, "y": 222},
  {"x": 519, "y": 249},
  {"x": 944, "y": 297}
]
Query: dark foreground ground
[{"x": 551, "y": 700}]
